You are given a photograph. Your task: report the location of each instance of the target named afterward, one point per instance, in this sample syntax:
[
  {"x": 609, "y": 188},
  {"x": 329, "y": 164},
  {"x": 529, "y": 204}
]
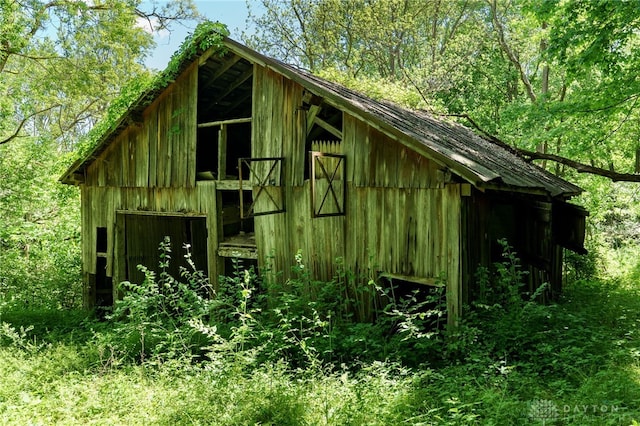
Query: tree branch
[
  {"x": 23, "y": 122},
  {"x": 512, "y": 57},
  {"x": 580, "y": 167},
  {"x": 531, "y": 155}
]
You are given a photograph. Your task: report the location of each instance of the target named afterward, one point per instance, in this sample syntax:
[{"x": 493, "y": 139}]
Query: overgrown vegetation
[
  {"x": 176, "y": 352},
  {"x": 558, "y": 78}
]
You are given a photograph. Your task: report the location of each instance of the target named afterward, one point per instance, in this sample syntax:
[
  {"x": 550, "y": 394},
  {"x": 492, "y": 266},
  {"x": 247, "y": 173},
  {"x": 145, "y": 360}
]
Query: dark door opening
[{"x": 144, "y": 233}]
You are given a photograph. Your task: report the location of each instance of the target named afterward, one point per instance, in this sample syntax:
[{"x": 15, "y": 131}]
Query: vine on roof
[
  {"x": 135, "y": 94},
  {"x": 207, "y": 34}
]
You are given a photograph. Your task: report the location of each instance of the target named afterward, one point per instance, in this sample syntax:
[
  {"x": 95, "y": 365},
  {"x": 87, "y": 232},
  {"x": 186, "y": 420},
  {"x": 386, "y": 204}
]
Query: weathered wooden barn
[{"x": 244, "y": 156}]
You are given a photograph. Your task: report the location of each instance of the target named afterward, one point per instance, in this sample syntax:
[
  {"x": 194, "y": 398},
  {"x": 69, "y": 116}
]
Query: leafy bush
[
  {"x": 154, "y": 319},
  {"x": 302, "y": 321}
]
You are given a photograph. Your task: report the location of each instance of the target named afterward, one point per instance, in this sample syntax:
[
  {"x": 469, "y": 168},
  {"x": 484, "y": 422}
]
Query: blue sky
[{"x": 232, "y": 13}]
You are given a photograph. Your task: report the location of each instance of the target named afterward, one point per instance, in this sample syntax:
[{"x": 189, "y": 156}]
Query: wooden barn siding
[
  {"x": 101, "y": 204},
  {"x": 400, "y": 216},
  {"x": 278, "y": 128},
  {"x": 160, "y": 151},
  {"x": 375, "y": 160}
]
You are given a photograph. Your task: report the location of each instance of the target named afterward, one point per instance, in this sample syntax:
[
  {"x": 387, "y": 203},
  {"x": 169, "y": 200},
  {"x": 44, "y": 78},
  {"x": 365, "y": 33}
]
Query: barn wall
[
  {"x": 160, "y": 150},
  {"x": 100, "y": 207},
  {"x": 402, "y": 214},
  {"x": 402, "y": 217},
  {"x": 375, "y": 160},
  {"x": 278, "y": 123}
]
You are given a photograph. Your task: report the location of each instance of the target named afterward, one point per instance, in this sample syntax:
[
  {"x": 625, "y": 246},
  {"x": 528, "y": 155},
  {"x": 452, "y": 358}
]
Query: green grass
[{"x": 574, "y": 363}]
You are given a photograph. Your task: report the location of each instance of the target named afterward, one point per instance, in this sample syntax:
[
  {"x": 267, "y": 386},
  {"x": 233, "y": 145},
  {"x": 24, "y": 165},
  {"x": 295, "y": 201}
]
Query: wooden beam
[
  {"x": 224, "y": 122},
  {"x": 239, "y": 252},
  {"x": 311, "y": 116},
  {"x": 328, "y": 127},
  {"x": 222, "y": 152},
  {"x": 230, "y": 185},
  {"x": 241, "y": 79},
  {"x": 241, "y": 100},
  {"x": 158, "y": 213},
  {"x": 223, "y": 69},
  {"x": 433, "y": 282}
]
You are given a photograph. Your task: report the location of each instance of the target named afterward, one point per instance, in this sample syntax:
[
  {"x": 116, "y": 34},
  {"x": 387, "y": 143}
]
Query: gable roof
[{"x": 481, "y": 162}]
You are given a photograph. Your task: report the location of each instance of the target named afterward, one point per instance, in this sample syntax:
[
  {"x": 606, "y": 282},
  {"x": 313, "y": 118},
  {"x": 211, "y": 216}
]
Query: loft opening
[
  {"x": 225, "y": 91},
  {"x": 219, "y": 147},
  {"x": 324, "y": 128}
]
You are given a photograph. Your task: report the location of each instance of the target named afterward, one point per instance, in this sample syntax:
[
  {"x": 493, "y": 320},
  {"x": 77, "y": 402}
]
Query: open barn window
[
  {"x": 220, "y": 145},
  {"x": 425, "y": 297},
  {"x": 100, "y": 281},
  {"x": 324, "y": 128},
  {"x": 569, "y": 225}
]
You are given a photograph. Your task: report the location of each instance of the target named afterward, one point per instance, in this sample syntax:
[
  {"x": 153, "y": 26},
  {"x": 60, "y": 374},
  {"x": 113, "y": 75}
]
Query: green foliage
[
  {"x": 509, "y": 361},
  {"x": 153, "y": 320},
  {"x": 39, "y": 230}
]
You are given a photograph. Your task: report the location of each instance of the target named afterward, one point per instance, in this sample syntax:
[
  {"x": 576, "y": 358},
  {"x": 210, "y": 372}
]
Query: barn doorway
[{"x": 143, "y": 234}]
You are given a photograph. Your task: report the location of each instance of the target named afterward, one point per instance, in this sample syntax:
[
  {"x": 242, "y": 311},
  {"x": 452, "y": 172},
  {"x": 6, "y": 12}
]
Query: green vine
[{"x": 140, "y": 91}]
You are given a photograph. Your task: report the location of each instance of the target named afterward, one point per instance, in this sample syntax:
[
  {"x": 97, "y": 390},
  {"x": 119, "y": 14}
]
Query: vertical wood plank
[
  {"x": 454, "y": 283},
  {"x": 222, "y": 152},
  {"x": 151, "y": 123},
  {"x": 191, "y": 125}
]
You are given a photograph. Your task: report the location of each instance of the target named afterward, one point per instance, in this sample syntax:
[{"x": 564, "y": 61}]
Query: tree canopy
[
  {"x": 556, "y": 79},
  {"x": 61, "y": 63}
]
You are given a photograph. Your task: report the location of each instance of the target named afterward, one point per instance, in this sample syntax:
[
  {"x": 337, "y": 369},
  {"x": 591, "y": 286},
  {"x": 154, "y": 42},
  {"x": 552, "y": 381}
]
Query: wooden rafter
[
  {"x": 236, "y": 83},
  {"x": 223, "y": 69},
  {"x": 241, "y": 101},
  {"x": 328, "y": 127},
  {"x": 314, "y": 110}
]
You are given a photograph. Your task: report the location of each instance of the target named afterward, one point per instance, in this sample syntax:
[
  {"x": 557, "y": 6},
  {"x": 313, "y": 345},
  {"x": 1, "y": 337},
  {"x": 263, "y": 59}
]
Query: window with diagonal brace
[
  {"x": 328, "y": 184},
  {"x": 265, "y": 178}
]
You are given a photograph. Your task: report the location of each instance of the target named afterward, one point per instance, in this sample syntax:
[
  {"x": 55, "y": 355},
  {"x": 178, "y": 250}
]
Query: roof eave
[{"x": 539, "y": 191}]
